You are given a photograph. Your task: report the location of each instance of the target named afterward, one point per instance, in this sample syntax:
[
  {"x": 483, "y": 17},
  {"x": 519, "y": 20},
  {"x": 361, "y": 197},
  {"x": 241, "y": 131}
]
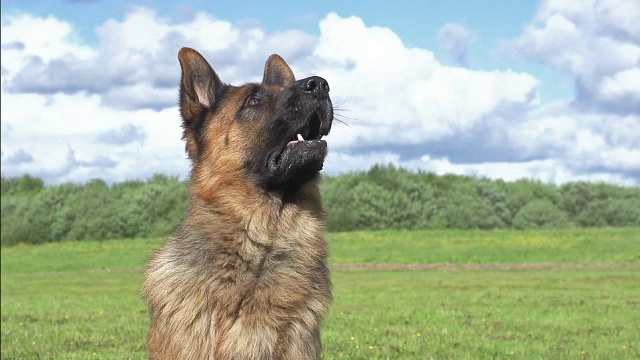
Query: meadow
[{"x": 502, "y": 294}]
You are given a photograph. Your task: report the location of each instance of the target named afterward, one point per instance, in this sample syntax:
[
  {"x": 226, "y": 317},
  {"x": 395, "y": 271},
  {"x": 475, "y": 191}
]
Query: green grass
[
  {"x": 390, "y": 246},
  {"x": 485, "y": 315},
  {"x": 77, "y": 255},
  {"x": 73, "y": 316},
  {"x": 80, "y": 300},
  {"x": 481, "y": 247}
]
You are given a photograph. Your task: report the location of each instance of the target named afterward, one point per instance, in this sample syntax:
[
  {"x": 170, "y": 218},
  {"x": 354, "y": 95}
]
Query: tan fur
[{"x": 245, "y": 275}]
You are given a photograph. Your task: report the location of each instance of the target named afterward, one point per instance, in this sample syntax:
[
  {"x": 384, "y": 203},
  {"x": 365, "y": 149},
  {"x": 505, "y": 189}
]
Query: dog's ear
[
  {"x": 277, "y": 72},
  {"x": 199, "y": 85},
  {"x": 200, "y": 88}
]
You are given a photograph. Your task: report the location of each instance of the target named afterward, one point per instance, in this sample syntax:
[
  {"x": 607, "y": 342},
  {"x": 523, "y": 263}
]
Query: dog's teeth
[
  {"x": 300, "y": 138},
  {"x": 323, "y": 137}
]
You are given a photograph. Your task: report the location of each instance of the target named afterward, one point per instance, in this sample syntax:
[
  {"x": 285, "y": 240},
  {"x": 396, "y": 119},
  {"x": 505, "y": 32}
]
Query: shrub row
[
  {"x": 91, "y": 211},
  {"x": 384, "y": 197}
]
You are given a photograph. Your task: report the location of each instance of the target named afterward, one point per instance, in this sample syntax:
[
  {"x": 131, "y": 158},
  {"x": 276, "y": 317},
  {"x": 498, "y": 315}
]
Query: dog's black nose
[{"x": 315, "y": 85}]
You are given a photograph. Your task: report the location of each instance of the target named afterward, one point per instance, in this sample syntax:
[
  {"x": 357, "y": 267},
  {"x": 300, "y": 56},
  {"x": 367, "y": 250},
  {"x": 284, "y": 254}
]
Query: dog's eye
[{"x": 253, "y": 101}]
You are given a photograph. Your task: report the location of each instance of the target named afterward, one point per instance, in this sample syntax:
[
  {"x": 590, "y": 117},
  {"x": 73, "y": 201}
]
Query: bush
[
  {"x": 611, "y": 212},
  {"x": 385, "y": 197},
  {"x": 24, "y": 184},
  {"x": 540, "y": 214},
  {"x": 91, "y": 211}
]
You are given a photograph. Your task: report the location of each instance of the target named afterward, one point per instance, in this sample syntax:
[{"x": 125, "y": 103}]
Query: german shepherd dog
[{"x": 245, "y": 275}]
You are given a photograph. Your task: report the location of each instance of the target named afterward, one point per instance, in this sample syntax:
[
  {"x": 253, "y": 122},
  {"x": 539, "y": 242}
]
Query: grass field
[{"x": 80, "y": 300}]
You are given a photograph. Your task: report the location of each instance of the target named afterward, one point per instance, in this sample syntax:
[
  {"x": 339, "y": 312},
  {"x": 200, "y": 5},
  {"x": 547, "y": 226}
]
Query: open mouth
[
  {"x": 307, "y": 146},
  {"x": 312, "y": 131}
]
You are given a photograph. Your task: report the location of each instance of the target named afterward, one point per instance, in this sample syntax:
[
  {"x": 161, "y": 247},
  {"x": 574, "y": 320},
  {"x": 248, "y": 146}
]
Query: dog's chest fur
[{"x": 257, "y": 284}]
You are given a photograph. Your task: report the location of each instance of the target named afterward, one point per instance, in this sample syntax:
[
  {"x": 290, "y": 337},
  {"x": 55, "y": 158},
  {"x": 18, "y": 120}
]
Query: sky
[{"x": 546, "y": 90}]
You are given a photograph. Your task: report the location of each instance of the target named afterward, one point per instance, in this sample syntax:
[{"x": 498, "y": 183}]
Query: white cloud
[
  {"x": 404, "y": 95},
  {"x": 582, "y": 141},
  {"x": 597, "y": 42},
  {"x": 137, "y": 72},
  {"x": 624, "y": 84},
  {"x": 61, "y": 133},
  {"x": 620, "y": 15},
  {"x": 46, "y": 38},
  {"x": 110, "y": 111}
]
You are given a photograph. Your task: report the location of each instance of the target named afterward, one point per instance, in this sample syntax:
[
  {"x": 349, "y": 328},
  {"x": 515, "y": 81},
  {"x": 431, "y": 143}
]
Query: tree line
[{"x": 384, "y": 197}]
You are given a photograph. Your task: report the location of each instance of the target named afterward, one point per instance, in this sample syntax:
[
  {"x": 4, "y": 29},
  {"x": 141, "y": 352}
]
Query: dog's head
[{"x": 273, "y": 132}]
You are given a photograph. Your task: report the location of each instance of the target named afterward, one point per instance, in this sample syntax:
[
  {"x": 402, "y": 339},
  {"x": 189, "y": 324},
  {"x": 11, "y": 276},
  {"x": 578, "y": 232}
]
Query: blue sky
[{"x": 504, "y": 89}]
